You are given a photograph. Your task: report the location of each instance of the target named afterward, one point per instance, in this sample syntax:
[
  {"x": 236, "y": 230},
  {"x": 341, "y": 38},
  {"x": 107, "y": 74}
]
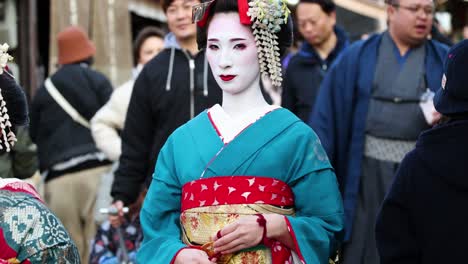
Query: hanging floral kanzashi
[{"x": 267, "y": 16}]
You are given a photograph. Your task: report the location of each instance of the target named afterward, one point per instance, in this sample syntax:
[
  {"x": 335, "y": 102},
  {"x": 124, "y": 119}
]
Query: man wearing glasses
[{"x": 371, "y": 107}]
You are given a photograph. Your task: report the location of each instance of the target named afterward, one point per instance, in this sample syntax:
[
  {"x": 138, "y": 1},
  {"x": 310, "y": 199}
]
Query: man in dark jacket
[
  {"x": 422, "y": 219},
  {"x": 171, "y": 89},
  {"x": 67, "y": 152},
  {"x": 323, "y": 42}
]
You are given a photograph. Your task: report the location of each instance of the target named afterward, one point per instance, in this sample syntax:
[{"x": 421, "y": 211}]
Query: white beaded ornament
[{"x": 267, "y": 16}]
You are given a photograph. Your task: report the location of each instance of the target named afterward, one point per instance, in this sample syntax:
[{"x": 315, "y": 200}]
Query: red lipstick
[{"x": 227, "y": 78}]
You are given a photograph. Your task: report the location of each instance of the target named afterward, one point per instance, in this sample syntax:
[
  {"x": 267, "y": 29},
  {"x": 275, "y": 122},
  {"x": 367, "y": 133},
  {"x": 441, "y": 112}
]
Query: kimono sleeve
[
  {"x": 317, "y": 227},
  {"x": 60, "y": 253},
  {"x": 160, "y": 213},
  {"x": 333, "y": 106},
  {"x": 394, "y": 230},
  {"x": 43, "y": 237},
  {"x": 322, "y": 118},
  {"x": 332, "y": 115}
]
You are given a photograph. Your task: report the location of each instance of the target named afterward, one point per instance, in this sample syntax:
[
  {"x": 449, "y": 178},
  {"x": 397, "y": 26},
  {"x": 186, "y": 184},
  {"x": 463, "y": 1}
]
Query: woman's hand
[
  {"x": 192, "y": 256},
  {"x": 246, "y": 233},
  {"x": 243, "y": 233}
]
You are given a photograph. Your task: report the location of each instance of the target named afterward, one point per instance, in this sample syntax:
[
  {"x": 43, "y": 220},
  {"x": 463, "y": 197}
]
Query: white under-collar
[
  {"x": 228, "y": 128},
  {"x": 5, "y": 182}
]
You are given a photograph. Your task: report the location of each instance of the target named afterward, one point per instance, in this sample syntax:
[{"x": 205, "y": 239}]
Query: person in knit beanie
[{"x": 68, "y": 156}]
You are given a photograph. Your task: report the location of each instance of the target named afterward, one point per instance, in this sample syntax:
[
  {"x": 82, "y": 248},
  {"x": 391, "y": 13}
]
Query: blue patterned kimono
[
  {"x": 29, "y": 232},
  {"x": 279, "y": 146}
]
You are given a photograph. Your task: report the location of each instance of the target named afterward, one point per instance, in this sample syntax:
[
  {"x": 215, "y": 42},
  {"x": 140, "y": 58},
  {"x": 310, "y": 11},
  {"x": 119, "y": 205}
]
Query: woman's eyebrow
[{"x": 232, "y": 40}]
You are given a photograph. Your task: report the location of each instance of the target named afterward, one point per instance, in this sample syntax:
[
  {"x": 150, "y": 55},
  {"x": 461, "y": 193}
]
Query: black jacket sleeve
[
  {"x": 137, "y": 137},
  {"x": 395, "y": 233},
  {"x": 104, "y": 91}
]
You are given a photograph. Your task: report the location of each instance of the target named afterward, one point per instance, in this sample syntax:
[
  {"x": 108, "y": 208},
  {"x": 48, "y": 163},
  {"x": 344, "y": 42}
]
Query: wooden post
[{"x": 27, "y": 45}]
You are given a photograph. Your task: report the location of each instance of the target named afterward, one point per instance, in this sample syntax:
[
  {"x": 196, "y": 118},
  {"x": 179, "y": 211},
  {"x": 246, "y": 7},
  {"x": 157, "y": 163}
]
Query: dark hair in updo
[
  {"x": 14, "y": 99},
  {"x": 285, "y": 36}
]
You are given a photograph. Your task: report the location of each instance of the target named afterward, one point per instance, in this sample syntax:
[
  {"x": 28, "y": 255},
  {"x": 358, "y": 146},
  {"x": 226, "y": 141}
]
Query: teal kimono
[
  {"x": 278, "y": 146},
  {"x": 29, "y": 232}
]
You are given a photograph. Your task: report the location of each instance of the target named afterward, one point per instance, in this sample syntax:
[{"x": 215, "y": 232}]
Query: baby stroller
[{"x": 123, "y": 257}]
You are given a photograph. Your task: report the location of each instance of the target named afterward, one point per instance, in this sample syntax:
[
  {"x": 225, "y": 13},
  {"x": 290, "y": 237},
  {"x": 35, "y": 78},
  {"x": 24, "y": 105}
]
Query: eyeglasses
[{"x": 427, "y": 10}]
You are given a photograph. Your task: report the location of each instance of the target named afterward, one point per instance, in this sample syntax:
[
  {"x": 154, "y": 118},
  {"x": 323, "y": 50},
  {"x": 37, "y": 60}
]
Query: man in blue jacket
[
  {"x": 368, "y": 114},
  {"x": 324, "y": 41}
]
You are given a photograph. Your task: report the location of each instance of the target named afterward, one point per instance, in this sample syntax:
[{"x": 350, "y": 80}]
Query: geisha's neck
[{"x": 240, "y": 104}]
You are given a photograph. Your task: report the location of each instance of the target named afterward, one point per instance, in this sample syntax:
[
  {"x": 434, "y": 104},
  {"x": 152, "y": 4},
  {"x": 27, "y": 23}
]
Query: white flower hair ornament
[
  {"x": 7, "y": 136},
  {"x": 267, "y": 18}
]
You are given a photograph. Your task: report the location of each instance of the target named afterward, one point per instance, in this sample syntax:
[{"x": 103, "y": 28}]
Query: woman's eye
[
  {"x": 240, "y": 46},
  {"x": 212, "y": 47}
]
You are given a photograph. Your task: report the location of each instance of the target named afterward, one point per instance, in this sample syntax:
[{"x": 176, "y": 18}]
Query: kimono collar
[
  {"x": 228, "y": 128},
  {"x": 8, "y": 181},
  {"x": 18, "y": 186}
]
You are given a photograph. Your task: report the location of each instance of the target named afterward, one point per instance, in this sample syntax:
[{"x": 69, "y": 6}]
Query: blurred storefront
[
  {"x": 30, "y": 27},
  {"x": 361, "y": 17}
]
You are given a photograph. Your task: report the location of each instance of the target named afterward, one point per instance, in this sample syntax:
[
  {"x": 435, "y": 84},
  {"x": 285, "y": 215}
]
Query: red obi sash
[
  {"x": 228, "y": 190},
  {"x": 236, "y": 190}
]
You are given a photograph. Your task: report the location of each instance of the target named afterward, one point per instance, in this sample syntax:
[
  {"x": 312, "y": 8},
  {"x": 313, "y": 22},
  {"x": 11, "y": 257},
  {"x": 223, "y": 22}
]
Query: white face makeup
[{"x": 232, "y": 53}]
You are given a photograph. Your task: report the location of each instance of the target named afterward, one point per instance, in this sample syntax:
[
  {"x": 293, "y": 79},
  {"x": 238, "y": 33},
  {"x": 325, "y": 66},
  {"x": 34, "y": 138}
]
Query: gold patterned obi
[{"x": 210, "y": 204}]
